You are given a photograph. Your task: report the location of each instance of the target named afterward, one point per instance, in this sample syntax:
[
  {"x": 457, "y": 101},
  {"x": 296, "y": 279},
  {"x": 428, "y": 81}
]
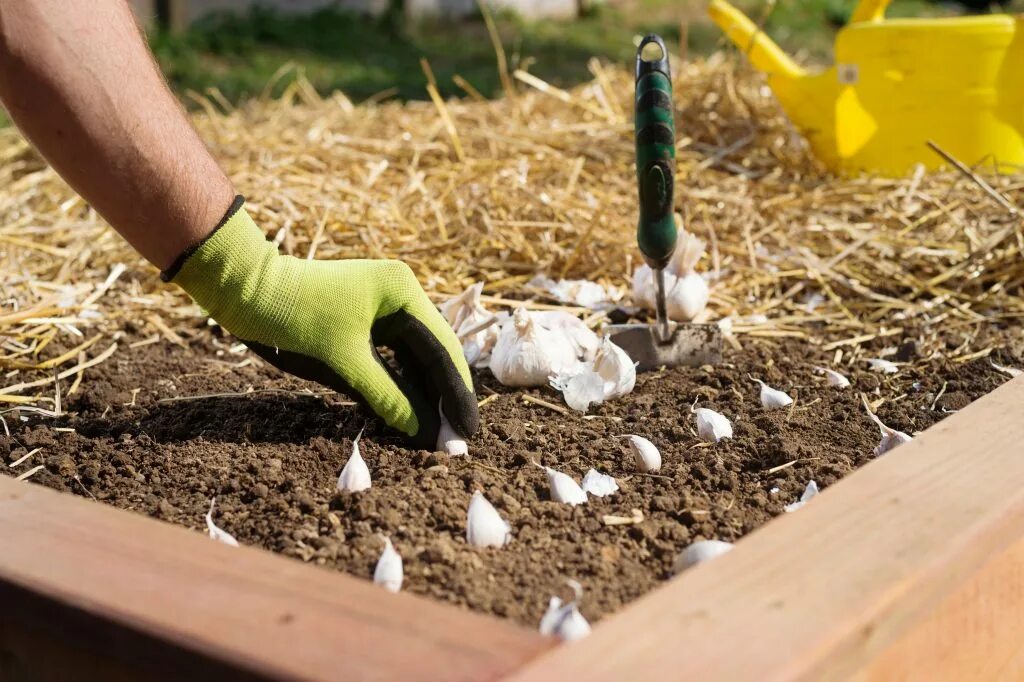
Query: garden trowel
[{"x": 664, "y": 343}]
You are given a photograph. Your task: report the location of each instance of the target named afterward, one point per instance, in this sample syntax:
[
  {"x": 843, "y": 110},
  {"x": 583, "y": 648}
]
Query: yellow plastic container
[{"x": 898, "y": 83}]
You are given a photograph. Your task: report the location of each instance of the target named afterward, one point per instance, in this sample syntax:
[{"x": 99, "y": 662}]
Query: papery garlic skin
[
  {"x": 883, "y": 366},
  {"x": 579, "y": 292},
  {"x": 563, "y": 488},
  {"x": 645, "y": 454},
  {"x": 599, "y": 485},
  {"x": 711, "y": 426},
  {"x": 891, "y": 438},
  {"x": 464, "y": 313},
  {"x": 581, "y": 387},
  {"x": 833, "y": 378},
  {"x": 583, "y": 339},
  {"x": 484, "y": 526},
  {"x": 449, "y": 440},
  {"x": 810, "y": 492},
  {"x": 616, "y": 368},
  {"x": 355, "y": 476},
  {"x": 772, "y": 398},
  {"x": 1009, "y": 371},
  {"x": 216, "y": 533},
  {"x": 699, "y": 552},
  {"x": 527, "y": 354},
  {"x": 389, "y": 572}
]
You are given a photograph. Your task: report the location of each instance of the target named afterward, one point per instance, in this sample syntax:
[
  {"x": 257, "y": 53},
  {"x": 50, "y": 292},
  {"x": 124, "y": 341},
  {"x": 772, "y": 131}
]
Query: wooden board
[
  {"x": 912, "y": 568},
  {"x": 91, "y": 592}
]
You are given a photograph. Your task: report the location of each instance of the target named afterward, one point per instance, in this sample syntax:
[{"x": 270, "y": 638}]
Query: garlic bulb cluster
[
  {"x": 699, "y": 552},
  {"x": 473, "y": 324},
  {"x": 355, "y": 476},
  {"x": 711, "y": 426},
  {"x": 810, "y": 492},
  {"x": 565, "y": 620},
  {"x": 216, "y": 533},
  {"x": 448, "y": 439},
  {"x": 645, "y": 454},
  {"x": 389, "y": 572},
  {"x": 772, "y": 398},
  {"x": 484, "y": 525},
  {"x": 686, "y": 292},
  {"x": 611, "y": 375},
  {"x": 833, "y": 378},
  {"x": 527, "y": 353}
]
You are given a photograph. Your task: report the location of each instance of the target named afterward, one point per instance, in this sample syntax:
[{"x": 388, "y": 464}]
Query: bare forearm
[{"x": 79, "y": 81}]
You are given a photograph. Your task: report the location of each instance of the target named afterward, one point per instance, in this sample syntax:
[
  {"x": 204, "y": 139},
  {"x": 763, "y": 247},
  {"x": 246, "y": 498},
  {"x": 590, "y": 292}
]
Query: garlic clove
[
  {"x": 616, "y": 368},
  {"x": 688, "y": 297},
  {"x": 484, "y": 526},
  {"x": 711, "y": 426},
  {"x": 645, "y": 454},
  {"x": 563, "y": 487},
  {"x": 1009, "y": 371},
  {"x": 389, "y": 572},
  {"x": 565, "y": 620},
  {"x": 810, "y": 492},
  {"x": 217, "y": 533},
  {"x": 833, "y": 377},
  {"x": 355, "y": 476},
  {"x": 448, "y": 439},
  {"x": 771, "y": 398},
  {"x": 883, "y": 366},
  {"x": 599, "y": 485},
  {"x": 699, "y": 552},
  {"x": 891, "y": 438}
]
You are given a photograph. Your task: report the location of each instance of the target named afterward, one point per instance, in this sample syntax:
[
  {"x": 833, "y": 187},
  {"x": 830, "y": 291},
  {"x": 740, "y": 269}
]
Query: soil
[{"x": 271, "y": 459}]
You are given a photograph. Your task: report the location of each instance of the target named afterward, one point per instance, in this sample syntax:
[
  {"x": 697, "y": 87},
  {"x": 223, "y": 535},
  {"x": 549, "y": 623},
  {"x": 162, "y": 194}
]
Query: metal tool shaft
[{"x": 664, "y": 334}]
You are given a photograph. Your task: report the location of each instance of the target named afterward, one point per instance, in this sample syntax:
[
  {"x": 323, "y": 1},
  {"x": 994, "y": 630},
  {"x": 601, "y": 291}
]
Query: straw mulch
[{"x": 540, "y": 181}]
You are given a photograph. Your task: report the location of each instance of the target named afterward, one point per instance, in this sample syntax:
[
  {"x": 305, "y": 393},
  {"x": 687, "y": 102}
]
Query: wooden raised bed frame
[{"x": 910, "y": 568}]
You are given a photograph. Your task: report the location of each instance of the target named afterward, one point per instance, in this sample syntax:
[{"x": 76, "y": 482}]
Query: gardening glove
[{"x": 323, "y": 321}]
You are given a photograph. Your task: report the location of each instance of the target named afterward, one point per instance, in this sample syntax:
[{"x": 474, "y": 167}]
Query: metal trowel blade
[{"x": 690, "y": 344}]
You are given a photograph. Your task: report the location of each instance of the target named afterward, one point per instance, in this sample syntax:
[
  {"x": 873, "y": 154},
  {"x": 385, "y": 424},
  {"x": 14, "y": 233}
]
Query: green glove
[{"x": 323, "y": 320}]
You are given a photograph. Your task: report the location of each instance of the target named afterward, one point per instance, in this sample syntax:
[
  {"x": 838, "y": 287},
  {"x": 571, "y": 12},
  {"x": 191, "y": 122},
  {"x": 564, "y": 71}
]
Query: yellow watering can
[{"x": 898, "y": 83}]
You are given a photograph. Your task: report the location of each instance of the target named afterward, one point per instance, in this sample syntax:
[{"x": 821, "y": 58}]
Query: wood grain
[
  {"x": 107, "y": 594},
  {"x": 910, "y": 568}
]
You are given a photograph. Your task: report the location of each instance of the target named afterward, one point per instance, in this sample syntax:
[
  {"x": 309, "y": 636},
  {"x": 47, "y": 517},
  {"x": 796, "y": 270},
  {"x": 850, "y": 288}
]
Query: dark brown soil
[{"x": 272, "y": 459}]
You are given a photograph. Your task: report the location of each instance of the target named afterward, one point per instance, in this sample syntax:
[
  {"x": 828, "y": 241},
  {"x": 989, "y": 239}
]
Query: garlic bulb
[
  {"x": 484, "y": 526},
  {"x": 883, "y": 366},
  {"x": 689, "y": 295},
  {"x": 563, "y": 487},
  {"x": 645, "y": 454},
  {"x": 833, "y": 377},
  {"x": 565, "y": 620},
  {"x": 1009, "y": 371},
  {"x": 699, "y": 552},
  {"x": 616, "y": 368},
  {"x": 355, "y": 476},
  {"x": 599, "y": 485},
  {"x": 810, "y": 492},
  {"x": 473, "y": 324},
  {"x": 448, "y": 440},
  {"x": 711, "y": 426},
  {"x": 526, "y": 353},
  {"x": 216, "y": 533},
  {"x": 389, "y": 573},
  {"x": 771, "y": 398},
  {"x": 583, "y": 339}
]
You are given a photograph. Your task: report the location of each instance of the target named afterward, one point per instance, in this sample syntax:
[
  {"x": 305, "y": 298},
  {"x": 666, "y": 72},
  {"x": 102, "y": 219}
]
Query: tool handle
[{"x": 655, "y": 152}]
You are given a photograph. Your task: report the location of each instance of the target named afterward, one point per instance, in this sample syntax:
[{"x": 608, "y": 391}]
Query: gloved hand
[{"x": 322, "y": 320}]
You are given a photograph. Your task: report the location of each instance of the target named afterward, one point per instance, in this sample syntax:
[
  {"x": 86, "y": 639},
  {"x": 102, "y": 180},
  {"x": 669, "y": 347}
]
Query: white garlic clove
[
  {"x": 355, "y": 476},
  {"x": 565, "y": 620},
  {"x": 563, "y": 487},
  {"x": 217, "y": 533},
  {"x": 699, "y": 552},
  {"x": 810, "y": 492},
  {"x": 891, "y": 438},
  {"x": 581, "y": 387},
  {"x": 1009, "y": 371},
  {"x": 527, "y": 354},
  {"x": 389, "y": 572},
  {"x": 833, "y": 378},
  {"x": 883, "y": 366},
  {"x": 771, "y": 398},
  {"x": 551, "y": 617},
  {"x": 711, "y": 426},
  {"x": 484, "y": 526},
  {"x": 599, "y": 485},
  {"x": 645, "y": 454},
  {"x": 616, "y": 368},
  {"x": 448, "y": 439}
]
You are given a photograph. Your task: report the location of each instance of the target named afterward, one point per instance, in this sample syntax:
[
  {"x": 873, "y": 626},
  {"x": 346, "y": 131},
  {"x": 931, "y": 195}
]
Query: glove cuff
[{"x": 235, "y": 275}]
